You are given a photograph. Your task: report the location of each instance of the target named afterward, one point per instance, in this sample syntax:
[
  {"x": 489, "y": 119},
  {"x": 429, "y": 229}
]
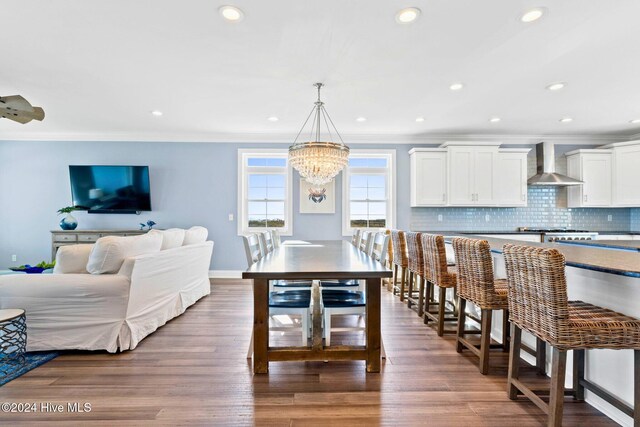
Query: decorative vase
[{"x": 68, "y": 222}]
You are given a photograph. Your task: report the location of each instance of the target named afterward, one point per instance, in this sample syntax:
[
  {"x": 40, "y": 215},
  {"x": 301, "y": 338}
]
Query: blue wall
[
  {"x": 196, "y": 184},
  {"x": 191, "y": 184}
]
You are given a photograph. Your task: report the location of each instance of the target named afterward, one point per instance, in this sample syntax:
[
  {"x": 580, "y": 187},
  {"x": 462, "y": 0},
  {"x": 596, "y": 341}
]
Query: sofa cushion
[
  {"x": 171, "y": 238},
  {"x": 194, "y": 235},
  {"x": 72, "y": 259},
  {"x": 109, "y": 252}
]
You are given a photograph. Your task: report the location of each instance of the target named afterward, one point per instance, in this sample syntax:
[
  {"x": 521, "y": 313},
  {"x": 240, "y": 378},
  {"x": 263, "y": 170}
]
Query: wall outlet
[
  {"x": 230, "y": 217},
  {"x": 487, "y": 218},
  {"x": 440, "y": 218},
  {"x": 609, "y": 218},
  {"x": 14, "y": 258}
]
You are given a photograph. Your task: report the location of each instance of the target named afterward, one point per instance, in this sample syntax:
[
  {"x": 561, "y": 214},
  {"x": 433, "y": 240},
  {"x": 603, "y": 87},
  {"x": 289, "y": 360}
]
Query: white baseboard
[{"x": 225, "y": 274}]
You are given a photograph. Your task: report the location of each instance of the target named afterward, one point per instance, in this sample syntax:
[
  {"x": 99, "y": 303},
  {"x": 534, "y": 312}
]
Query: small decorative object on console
[
  {"x": 68, "y": 222},
  {"x": 149, "y": 224}
]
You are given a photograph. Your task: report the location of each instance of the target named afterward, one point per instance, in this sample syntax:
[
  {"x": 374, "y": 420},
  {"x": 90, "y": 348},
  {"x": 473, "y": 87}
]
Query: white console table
[{"x": 73, "y": 237}]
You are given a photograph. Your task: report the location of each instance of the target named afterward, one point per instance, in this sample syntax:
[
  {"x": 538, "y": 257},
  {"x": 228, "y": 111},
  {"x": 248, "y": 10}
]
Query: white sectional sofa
[{"x": 111, "y": 295}]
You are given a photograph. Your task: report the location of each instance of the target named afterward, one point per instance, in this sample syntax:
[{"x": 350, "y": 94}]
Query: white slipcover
[
  {"x": 172, "y": 237},
  {"x": 109, "y": 252},
  {"x": 109, "y": 311}
]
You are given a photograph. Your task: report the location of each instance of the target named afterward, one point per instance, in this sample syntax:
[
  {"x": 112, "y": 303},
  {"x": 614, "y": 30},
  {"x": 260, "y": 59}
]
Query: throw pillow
[
  {"x": 171, "y": 238},
  {"x": 194, "y": 235},
  {"x": 109, "y": 252}
]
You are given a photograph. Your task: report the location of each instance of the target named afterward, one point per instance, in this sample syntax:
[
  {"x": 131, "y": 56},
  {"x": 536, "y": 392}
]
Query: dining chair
[
  {"x": 379, "y": 247},
  {"x": 267, "y": 242},
  {"x": 275, "y": 236},
  {"x": 366, "y": 241},
  {"x": 538, "y": 304},
  {"x": 476, "y": 284},
  {"x": 292, "y": 301},
  {"x": 355, "y": 238},
  {"x": 400, "y": 261}
]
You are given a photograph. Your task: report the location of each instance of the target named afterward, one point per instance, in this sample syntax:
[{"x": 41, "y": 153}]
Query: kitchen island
[
  {"x": 601, "y": 276},
  {"x": 621, "y": 245}
]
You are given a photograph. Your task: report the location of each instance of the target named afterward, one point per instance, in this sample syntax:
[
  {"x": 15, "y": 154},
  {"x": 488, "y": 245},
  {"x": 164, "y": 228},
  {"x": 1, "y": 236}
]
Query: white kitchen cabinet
[
  {"x": 471, "y": 171},
  {"x": 594, "y": 167},
  {"x": 428, "y": 182},
  {"x": 626, "y": 173},
  {"x": 511, "y": 177}
]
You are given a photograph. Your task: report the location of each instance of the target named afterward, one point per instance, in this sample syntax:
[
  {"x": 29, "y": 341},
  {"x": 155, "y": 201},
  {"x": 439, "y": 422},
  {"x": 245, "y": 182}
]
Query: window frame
[
  {"x": 243, "y": 173},
  {"x": 389, "y": 172}
]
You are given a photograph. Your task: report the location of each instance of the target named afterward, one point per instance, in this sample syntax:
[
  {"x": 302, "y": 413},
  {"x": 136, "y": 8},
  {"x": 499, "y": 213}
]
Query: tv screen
[{"x": 110, "y": 189}]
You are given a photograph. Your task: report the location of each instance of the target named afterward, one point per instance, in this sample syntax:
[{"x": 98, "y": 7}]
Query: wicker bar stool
[
  {"x": 438, "y": 274},
  {"x": 475, "y": 283},
  {"x": 389, "y": 261},
  {"x": 400, "y": 261},
  {"x": 416, "y": 272},
  {"x": 538, "y": 304}
]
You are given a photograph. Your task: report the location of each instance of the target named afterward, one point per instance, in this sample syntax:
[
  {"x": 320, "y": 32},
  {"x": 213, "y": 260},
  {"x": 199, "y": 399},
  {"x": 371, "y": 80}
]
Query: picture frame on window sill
[{"x": 317, "y": 199}]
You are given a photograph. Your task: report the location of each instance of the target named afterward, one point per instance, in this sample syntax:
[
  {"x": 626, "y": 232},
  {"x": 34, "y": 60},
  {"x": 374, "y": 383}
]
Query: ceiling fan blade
[{"x": 19, "y": 110}]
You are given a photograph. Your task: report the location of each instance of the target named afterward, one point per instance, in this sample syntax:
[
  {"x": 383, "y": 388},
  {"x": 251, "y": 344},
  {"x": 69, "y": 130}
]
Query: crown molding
[{"x": 287, "y": 138}]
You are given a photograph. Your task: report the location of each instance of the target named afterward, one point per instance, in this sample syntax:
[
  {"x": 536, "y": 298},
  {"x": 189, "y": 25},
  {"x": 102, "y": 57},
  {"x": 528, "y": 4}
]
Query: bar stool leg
[
  {"x": 427, "y": 302},
  {"x": 541, "y": 357},
  {"x": 410, "y": 288},
  {"x": 505, "y": 330},
  {"x": 442, "y": 300},
  {"x": 556, "y": 397},
  {"x": 514, "y": 361},
  {"x": 403, "y": 282},
  {"x": 462, "y": 303},
  {"x": 578, "y": 374},
  {"x": 485, "y": 340},
  {"x": 421, "y": 281},
  {"x": 394, "y": 279},
  {"x": 636, "y": 388}
]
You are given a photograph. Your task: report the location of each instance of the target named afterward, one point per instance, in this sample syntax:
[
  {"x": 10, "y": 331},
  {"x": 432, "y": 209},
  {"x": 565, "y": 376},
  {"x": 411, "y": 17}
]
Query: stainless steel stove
[{"x": 558, "y": 234}]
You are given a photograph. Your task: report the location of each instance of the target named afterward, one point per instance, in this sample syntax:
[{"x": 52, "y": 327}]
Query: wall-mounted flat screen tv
[{"x": 110, "y": 189}]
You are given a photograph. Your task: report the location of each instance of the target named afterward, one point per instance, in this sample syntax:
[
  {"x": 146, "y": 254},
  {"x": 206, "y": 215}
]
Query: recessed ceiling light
[
  {"x": 361, "y": 119},
  {"x": 272, "y": 119},
  {"x": 407, "y": 15},
  {"x": 556, "y": 86},
  {"x": 419, "y": 119},
  {"x": 566, "y": 120},
  {"x": 456, "y": 86},
  {"x": 494, "y": 119},
  {"x": 634, "y": 121},
  {"x": 156, "y": 113},
  {"x": 231, "y": 13},
  {"x": 532, "y": 15}
]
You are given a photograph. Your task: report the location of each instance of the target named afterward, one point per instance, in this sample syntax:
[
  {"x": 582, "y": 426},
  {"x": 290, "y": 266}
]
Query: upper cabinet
[
  {"x": 511, "y": 177},
  {"x": 468, "y": 174},
  {"x": 471, "y": 175},
  {"x": 428, "y": 180},
  {"x": 626, "y": 173},
  {"x": 594, "y": 168},
  {"x": 610, "y": 173}
]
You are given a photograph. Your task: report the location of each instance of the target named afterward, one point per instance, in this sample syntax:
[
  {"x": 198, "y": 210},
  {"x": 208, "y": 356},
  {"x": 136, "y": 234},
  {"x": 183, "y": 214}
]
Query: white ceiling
[{"x": 99, "y": 67}]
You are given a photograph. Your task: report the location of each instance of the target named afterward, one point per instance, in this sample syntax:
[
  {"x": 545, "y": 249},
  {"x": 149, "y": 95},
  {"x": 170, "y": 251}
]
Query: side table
[{"x": 13, "y": 340}]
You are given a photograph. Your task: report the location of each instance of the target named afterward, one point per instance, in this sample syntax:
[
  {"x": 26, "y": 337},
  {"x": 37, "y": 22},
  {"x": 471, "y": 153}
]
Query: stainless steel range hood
[{"x": 546, "y": 162}]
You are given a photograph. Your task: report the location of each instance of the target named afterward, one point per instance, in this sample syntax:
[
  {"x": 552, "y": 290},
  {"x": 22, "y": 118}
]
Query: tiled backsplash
[
  {"x": 546, "y": 208},
  {"x": 635, "y": 219}
]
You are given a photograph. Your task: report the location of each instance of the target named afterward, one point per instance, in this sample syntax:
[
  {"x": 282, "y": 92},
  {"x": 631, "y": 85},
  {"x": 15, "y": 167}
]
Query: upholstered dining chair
[
  {"x": 281, "y": 302},
  {"x": 355, "y": 238},
  {"x": 366, "y": 241},
  {"x": 266, "y": 241},
  {"x": 275, "y": 236}
]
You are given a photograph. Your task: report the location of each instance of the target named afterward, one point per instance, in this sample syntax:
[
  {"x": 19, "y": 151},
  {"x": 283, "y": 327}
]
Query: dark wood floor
[{"x": 193, "y": 371}]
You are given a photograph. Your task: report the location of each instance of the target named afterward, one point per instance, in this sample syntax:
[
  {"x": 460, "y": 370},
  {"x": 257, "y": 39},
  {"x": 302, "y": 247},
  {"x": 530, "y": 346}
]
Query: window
[
  {"x": 368, "y": 190},
  {"x": 264, "y": 196}
]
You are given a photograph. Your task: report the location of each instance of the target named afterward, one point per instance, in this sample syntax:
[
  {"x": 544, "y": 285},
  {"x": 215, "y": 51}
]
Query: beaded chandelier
[{"x": 319, "y": 161}]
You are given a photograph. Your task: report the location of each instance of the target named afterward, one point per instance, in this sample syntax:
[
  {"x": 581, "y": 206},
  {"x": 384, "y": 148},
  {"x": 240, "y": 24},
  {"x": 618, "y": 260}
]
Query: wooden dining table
[{"x": 316, "y": 260}]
